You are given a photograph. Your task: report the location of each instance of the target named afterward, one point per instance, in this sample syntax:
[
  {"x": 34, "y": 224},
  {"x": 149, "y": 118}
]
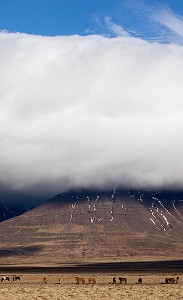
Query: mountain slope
[
  {"x": 7, "y": 211},
  {"x": 96, "y": 225}
]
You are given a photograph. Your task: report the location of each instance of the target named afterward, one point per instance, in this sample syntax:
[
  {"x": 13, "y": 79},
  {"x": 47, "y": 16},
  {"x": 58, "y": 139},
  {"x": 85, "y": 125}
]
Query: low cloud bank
[{"x": 89, "y": 112}]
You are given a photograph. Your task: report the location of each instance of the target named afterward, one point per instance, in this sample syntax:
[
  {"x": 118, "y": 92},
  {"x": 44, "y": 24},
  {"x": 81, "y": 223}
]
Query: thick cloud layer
[{"x": 89, "y": 112}]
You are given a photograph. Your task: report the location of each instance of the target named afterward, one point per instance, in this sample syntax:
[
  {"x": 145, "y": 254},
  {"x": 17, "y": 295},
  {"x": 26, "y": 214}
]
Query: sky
[
  {"x": 149, "y": 19},
  {"x": 90, "y": 96}
]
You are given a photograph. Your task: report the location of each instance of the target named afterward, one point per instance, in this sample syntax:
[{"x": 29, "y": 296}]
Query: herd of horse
[
  {"x": 171, "y": 280},
  {"x": 6, "y": 278},
  {"x": 123, "y": 280},
  {"x": 92, "y": 280}
]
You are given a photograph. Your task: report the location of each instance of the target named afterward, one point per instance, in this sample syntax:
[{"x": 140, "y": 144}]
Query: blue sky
[{"x": 104, "y": 17}]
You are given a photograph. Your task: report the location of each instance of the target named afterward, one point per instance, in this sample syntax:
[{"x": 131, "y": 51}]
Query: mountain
[
  {"x": 7, "y": 211},
  {"x": 84, "y": 226}
]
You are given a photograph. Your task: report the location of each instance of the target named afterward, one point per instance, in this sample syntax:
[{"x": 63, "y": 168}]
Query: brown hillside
[{"x": 96, "y": 226}]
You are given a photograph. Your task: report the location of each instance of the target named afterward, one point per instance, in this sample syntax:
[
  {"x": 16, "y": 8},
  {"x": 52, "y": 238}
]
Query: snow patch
[
  {"x": 72, "y": 211},
  {"x": 152, "y": 221},
  {"x": 113, "y": 193}
]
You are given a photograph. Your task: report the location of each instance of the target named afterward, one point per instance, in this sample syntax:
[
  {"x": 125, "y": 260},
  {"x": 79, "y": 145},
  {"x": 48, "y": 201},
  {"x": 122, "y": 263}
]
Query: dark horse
[
  {"x": 15, "y": 278},
  {"x": 140, "y": 280},
  {"x": 114, "y": 280}
]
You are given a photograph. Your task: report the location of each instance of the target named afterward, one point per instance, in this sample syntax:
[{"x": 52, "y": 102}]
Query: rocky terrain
[{"x": 87, "y": 226}]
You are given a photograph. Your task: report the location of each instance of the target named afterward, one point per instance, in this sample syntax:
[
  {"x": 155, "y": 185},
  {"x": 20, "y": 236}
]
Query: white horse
[{"x": 5, "y": 278}]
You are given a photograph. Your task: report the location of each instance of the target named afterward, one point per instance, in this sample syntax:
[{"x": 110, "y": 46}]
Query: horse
[
  {"x": 171, "y": 280},
  {"x": 15, "y": 278},
  {"x": 114, "y": 280},
  {"x": 140, "y": 280},
  {"x": 92, "y": 280},
  {"x": 79, "y": 279},
  {"x": 177, "y": 279},
  {"x": 121, "y": 280},
  {"x": 45, "y": 280},
  {"x": 5, "y": 278}
]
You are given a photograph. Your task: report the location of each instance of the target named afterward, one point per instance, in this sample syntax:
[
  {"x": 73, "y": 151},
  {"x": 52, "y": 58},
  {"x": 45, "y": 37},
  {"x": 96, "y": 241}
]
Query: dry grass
[{"x": 32, "y": 287}]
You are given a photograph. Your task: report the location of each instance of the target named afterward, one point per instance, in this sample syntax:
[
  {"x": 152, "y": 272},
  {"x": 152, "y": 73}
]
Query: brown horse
[
  {"x": 171, "y": 280},
  {"x": 45, "y": 280},
  {"x": 79, "y": 279},
  {"x": 121, "y": 280},
  {"x": 92, "y": 280}
]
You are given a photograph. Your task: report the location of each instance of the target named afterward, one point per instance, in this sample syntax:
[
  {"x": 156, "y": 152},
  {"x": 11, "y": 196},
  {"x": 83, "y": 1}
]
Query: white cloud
[
  {"x": 152, "y": 22},
  {"x": 89, "y": 112},
  {"x": 172, "y": 22},
  {"x": 114, "y": 28}
]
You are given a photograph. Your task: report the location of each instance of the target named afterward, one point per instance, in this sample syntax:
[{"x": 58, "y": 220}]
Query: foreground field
[{"x": 31, "y": 286}]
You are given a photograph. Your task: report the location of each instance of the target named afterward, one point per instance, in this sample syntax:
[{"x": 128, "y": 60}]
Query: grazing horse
[
  {"x": 15, "y": 278},
  {"x": 45, "y": 280},
  {"x": 166, "y": 280},
  {"x": 177, "y": 279},
  {"x": 121, "y": 280},
  {"x": 5, "y": 278},
  {"x": 140, "y": 280},
  {"x": 114, "y": 280},
  {"x": 171, "y": 280},
  {"x": 79, "y": 279},
  {"x": 92, "y": 280}
]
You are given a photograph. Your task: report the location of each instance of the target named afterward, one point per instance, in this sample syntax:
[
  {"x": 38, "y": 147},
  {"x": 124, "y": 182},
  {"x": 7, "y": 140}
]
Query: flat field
[{"x": 31, "y": 287}]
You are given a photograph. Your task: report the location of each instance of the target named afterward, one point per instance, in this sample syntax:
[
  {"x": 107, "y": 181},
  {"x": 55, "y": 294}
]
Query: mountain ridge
[{"x": 80, "y": 226}]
